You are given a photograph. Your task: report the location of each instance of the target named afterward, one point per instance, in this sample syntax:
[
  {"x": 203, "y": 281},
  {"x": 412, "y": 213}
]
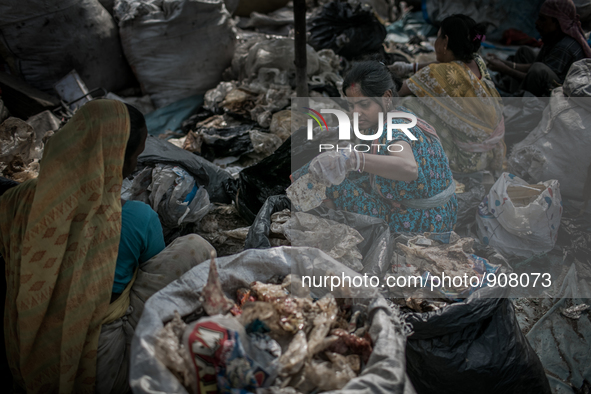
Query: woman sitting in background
[
  {"x": 457, "y": 96},
  {"x": 411, "y": 189}
]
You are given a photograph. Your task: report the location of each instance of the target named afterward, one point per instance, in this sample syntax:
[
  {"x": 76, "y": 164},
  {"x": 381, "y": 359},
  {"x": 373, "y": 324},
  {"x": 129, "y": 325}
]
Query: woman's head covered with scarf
[{"x": 565, "y": 13}]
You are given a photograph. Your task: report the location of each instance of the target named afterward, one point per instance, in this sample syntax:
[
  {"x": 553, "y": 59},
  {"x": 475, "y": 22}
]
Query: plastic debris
[
  {"x": 519, "y": 219},
  {"x": 20, "y": 150},
  {"x": 455, "y": 257},
  {"x": 172, "y": 353},
  {"x": 338, "y": 240},
  {"x": 306, "y": 194},
  {"x": 176, "y": 197},
  {"x": 214, "y": 299},
  {"x": 574, "y": 312},
  {"x": 348, "y": 31},
  {"x": 295, "y": 356}
]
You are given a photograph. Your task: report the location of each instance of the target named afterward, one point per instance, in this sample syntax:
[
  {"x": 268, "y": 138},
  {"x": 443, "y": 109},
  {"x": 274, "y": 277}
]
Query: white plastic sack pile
[
  {"x": 519, "y": 231},
  {"x": 558, "y": 148},
  {"x": 176, "y": 48}
]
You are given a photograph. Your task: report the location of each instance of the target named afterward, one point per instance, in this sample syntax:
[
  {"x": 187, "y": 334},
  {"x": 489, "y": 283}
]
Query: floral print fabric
[
  {"x": 463, "y": 109},
  {"x": 384, "y": 198}
]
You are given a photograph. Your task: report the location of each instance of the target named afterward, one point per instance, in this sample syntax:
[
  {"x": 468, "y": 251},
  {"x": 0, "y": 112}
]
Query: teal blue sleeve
[
  {"x": 154, "y": 239},
  {"x": 141, "y": 239}
]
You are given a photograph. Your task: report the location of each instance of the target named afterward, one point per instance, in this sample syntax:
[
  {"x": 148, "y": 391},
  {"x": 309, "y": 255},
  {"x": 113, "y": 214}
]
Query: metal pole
[{"x": 299, "y": 10}]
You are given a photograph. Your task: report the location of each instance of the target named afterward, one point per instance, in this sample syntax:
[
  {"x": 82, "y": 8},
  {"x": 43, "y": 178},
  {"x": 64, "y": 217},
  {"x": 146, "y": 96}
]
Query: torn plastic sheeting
[
  {"x": 258, "y": 234},
  {"x": 574, "y": 237},
  {"x": 336, "y": 239},
  {"x": 269, "y": 177},
  {"x": 173, "y": 115},
  {"x": 176, "y": 197},
  {"x": 375, "y": 248},
  {"x": 204, "y": 172},
  {"x": 384, "y": 372},
  {"x": 564, "y": 344},
  {"x": 472, "y": 346}
]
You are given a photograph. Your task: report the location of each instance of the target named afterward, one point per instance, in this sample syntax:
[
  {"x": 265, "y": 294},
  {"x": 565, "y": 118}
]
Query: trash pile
[
  {"x": 324, "y": 343},
  {"x": 22, "y": 144},
  {"x": 215, "y": 80},
  {"x": 272, "y": 332},
  {"x": 431, "y": 255}
]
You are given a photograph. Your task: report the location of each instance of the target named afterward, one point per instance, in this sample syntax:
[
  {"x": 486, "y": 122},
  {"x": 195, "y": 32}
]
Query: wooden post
[{"x": 299, "y": 10}]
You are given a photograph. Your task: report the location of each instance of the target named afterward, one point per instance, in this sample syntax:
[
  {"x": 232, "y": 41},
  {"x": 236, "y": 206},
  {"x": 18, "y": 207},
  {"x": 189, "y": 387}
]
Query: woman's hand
[
  {"x": 402, "y": 69},
  {"x": 331, "y": 168},
  {"x": 496, "y": 65}
]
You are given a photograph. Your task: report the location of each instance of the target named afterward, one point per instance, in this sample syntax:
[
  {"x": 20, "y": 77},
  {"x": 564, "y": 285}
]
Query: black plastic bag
[
  {"x": 468, "y": 201},
  {"x": 349, "y": 32},
  {"x": 474, "y": 346},
  {"x": 258, "y": 234},
  {"x": 522, "y": 115},
  {"x": 269, "y": 177},
  {"x": 226, "y": 141},
  {"x": 204, "y": 172}
]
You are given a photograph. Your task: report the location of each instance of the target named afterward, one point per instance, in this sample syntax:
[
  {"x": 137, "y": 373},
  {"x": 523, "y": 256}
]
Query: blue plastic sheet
[{"x": 172, "y": 116}]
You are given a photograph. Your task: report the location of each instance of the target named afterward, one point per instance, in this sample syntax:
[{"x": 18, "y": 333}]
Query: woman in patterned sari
[
  {"x": 407, "y": 182},
  {"x": 60, "y": 236},
  {"x": 457, "y": 96}
]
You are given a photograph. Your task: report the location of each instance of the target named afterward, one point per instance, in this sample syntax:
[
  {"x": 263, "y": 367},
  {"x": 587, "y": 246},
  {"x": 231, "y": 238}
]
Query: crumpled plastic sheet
[
  {"x": 19, "y": 148},
  {"x": 564, "y": 345},
  {"x": 375, "y": 248},
  {"x": 384, "y": 372},
  {"x": 205, "y": 173},
  {"x": 338, "y": 240},
  {"x": 258, "y": 234},
  {"x": 137, "y": 188},
  {"x": 256, "y": 183},
  {"x": 171, "y": 189}
]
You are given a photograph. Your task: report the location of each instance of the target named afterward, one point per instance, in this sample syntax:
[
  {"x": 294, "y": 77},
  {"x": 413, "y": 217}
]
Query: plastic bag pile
[{"x": 270, "y": 337}]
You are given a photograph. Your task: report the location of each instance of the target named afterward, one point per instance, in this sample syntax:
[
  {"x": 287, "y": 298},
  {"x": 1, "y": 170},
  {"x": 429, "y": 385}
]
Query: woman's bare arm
[
  {"x": 404, "y": 90},
  {"x": 397, "y": 166}
]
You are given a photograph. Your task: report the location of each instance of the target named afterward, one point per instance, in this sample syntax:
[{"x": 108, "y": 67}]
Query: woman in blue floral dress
[{"x": 411, "y": 188}]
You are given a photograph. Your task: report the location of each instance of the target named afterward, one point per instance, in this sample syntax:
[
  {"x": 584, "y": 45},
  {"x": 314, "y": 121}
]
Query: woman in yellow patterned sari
[
  {"x": 457, "y": 96},
  {"x": 60, "y": 238},
  {"x": 59, "y": 235}
]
